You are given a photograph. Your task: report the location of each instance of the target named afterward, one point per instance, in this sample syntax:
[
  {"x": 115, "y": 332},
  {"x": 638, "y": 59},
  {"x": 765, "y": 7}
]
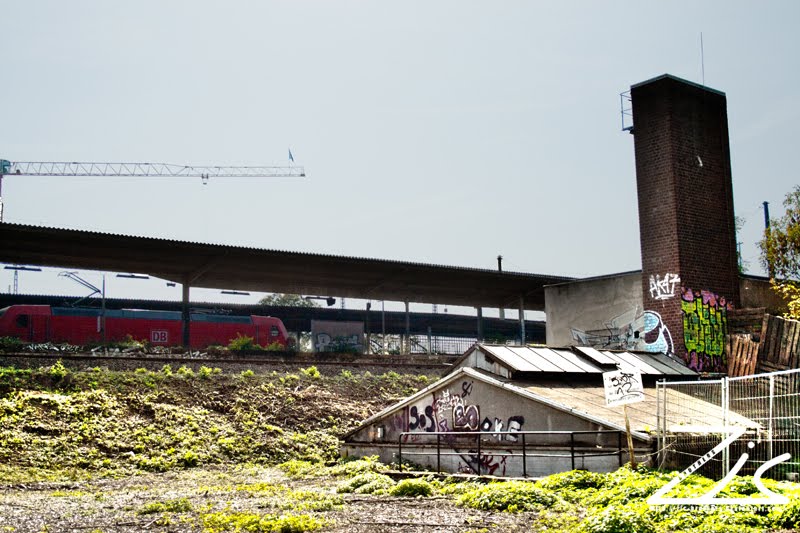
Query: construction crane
[{"x": 153, "y": 170}]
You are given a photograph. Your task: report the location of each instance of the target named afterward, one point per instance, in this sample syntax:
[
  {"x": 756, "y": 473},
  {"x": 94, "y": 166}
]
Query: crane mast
[{"x": 154, "y": 170}]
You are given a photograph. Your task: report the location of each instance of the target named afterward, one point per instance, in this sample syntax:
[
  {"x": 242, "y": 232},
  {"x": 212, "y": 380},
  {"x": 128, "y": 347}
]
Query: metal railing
[{"x": 522, "y": 443}]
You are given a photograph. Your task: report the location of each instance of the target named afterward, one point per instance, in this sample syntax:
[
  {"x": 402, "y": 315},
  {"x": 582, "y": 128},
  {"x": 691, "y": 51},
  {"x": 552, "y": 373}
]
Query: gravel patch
[{"x": 179, "y": 500}]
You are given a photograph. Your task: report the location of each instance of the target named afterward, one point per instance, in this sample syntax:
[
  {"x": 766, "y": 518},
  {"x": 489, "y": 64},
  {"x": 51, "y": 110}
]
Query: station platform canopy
[{"x": 260, "y": 270}]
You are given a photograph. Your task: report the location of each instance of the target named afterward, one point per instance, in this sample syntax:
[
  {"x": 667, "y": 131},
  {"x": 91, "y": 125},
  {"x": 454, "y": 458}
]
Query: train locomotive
[{"x": 84, "y": 326}]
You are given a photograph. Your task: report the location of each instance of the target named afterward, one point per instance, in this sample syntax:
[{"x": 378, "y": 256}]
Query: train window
[
  {"x": 23, "y": 321},
  {"x": 273, "y": 332}
]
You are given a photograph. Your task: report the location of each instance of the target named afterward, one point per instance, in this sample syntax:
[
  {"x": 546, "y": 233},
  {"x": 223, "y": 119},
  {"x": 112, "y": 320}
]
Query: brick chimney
[{"x": 690, "y": 273}]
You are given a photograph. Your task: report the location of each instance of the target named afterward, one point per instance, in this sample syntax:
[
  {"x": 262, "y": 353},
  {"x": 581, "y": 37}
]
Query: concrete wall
[
  {"x": 757, "y": 292},
  {"x": 601, "y": 312},
  {"x": 508, "y": 462}
]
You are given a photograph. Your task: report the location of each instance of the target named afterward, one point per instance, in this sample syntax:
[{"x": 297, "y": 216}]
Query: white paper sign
[{"x": 623, "y": 386}]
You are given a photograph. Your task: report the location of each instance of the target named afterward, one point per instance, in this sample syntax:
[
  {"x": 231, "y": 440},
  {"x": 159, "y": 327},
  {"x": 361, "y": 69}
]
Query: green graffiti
[{"x": 705, "y": 324}]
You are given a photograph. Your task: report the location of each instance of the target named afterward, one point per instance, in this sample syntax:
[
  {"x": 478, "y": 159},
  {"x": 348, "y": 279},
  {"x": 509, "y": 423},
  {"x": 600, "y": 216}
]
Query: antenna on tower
[{"x": 702, "y": 61}]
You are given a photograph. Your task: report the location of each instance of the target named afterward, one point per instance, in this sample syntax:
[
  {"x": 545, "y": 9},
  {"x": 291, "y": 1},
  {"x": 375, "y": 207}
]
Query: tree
[
  {"x": 287, "y": 300},
  {"x": 780, "y": 252}
]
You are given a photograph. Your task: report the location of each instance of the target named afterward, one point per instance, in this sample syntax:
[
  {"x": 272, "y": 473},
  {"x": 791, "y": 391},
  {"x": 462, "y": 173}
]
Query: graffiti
[
  {"x": 616, "y": 334},
  {"x": 656, "y": 336},
  {"x": 417, "y": 420},
  {"x": 483, "y": 464},
  {"x": 663, "y": 288},
  {"x": 323, "y": 342},
  {"x": 623, "y": 387},
  {"x": 705, "y": 323},
  {"x": 512, "y": 425},
  {"x": 633, "y": 330},
  {"x": 465, "y": 419},
  {"x": 451, "y": 412}
]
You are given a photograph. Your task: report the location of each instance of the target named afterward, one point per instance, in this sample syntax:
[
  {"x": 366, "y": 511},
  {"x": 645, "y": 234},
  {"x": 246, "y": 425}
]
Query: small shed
[{"x": 519, "y": 411}]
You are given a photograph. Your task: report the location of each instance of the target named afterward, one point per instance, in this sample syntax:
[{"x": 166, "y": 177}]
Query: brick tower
[{"x": 690, "y": 273}]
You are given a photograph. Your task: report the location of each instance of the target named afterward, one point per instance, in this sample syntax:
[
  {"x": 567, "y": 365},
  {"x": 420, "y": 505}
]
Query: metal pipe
[
  {"x": 185, "y": 314},
  {"x": 572, "y": 450},
  {"x": 479, "y": 452},
  {"x": 524, "y": 458},
  {"x": 407, "y": 343},
  {"x": 438, "y": 453}
]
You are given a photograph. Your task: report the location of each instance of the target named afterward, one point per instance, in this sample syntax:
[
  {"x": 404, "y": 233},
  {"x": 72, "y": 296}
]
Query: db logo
[{"x": 159, "y": 336}]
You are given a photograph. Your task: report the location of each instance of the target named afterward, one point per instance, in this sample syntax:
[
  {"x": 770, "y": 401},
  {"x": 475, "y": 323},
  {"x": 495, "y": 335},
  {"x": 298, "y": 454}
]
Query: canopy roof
[{"x": 251, "y": 269}]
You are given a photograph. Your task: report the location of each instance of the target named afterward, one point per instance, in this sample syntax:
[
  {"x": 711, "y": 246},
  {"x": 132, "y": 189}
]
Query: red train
[{"x": 82, "y": 326}]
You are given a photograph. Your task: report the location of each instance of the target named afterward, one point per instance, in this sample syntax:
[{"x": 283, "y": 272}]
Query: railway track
[{"x": 129, "y": 361}]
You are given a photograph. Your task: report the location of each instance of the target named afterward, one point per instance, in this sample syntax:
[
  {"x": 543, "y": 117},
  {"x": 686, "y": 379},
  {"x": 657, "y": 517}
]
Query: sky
[{"x": 435, "y": 132}]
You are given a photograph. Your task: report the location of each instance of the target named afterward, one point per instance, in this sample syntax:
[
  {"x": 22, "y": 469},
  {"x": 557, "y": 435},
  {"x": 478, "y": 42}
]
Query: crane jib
[{"x": 144, "y": 170}]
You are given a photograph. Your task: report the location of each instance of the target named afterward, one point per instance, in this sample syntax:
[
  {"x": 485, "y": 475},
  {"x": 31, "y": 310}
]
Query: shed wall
[{"x": 603, "y": 312}]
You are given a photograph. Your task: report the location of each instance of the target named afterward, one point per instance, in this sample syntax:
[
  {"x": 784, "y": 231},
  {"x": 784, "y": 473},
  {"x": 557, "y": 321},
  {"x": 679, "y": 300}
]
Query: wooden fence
[{"x": 750, "y": 349}]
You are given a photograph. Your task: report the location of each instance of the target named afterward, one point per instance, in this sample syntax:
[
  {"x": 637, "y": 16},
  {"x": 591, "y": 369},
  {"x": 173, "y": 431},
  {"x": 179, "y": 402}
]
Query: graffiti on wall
[
  {"x": 634, "y": 330},
  {"x": 618, "y": 333},
  {"x": 705, "y": 324},
  {"x": 655, "y": 334},
  {"x": 663, "y": 288},
  {"x": 449, "y": 411},
  {"x": 483, "y": 463}
]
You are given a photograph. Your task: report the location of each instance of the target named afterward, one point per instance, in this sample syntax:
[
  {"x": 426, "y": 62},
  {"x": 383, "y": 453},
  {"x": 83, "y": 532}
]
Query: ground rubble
[{"x": 124, "y": 505}]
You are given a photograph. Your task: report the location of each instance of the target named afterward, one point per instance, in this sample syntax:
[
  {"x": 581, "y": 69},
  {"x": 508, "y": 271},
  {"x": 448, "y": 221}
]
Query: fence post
[
  {"x": 725, "y": 401},
  {"x": 524, "y": 458},
  {"x": 771, "y": 412},
  {"x": 479, "y": 452},
  {"x": 661, "y": 410},
  {"x": 619, "y": 447},
  {"x": 572, "y": 449},
  {"x": 438, "y": 453},
  {"x": 400, "y": 452}
]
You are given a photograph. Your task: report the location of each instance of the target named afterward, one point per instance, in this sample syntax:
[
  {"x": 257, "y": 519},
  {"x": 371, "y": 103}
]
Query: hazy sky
[{"x": 435, "y": 132}]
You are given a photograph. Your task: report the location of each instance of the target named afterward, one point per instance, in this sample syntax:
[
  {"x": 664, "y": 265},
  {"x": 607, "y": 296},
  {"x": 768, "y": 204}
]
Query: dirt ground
[{"x": 131, "y": 504}]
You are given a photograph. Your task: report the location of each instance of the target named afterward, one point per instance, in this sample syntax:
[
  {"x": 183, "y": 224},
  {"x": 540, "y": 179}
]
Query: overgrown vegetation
[
  {"x": 580, "y": 501},
  {"x": 56, "y": 420},
  {"x": 780, "y": 253},
  {"x": 57, "y": 424}
]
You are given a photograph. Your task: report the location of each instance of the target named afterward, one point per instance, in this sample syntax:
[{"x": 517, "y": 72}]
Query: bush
[
  {"x": 227, "y": 521},
  {"x": 10, "y": 344},
  {"x": 243, "y": 343},
  {"x": 366, "y": 483},
  {"x": 58, "y": 371},
  {"x": 786, "y": 516},
  {"x": 511, "y": 496},
  {"x": 358, "y": 466},
  {"x": 574, "y": 479},
  {"x": 625, "y": 519},
  {"x": 311, "y": 372},
  {"x": 412, "y": 488}
]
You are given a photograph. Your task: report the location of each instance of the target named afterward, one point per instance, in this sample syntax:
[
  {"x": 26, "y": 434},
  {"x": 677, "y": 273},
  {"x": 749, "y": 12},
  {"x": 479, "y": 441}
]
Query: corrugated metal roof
[
  {"x": 244, "y": 268},
  {"x": 596, "y": 356},
  {"x": 576, "y": 360}
]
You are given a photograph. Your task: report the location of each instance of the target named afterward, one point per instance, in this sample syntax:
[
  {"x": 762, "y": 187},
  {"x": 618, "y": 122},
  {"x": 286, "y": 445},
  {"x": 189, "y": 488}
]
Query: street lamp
[
  {"x": 133, "y": 276},
  {"x": 16, "y": 269}
]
